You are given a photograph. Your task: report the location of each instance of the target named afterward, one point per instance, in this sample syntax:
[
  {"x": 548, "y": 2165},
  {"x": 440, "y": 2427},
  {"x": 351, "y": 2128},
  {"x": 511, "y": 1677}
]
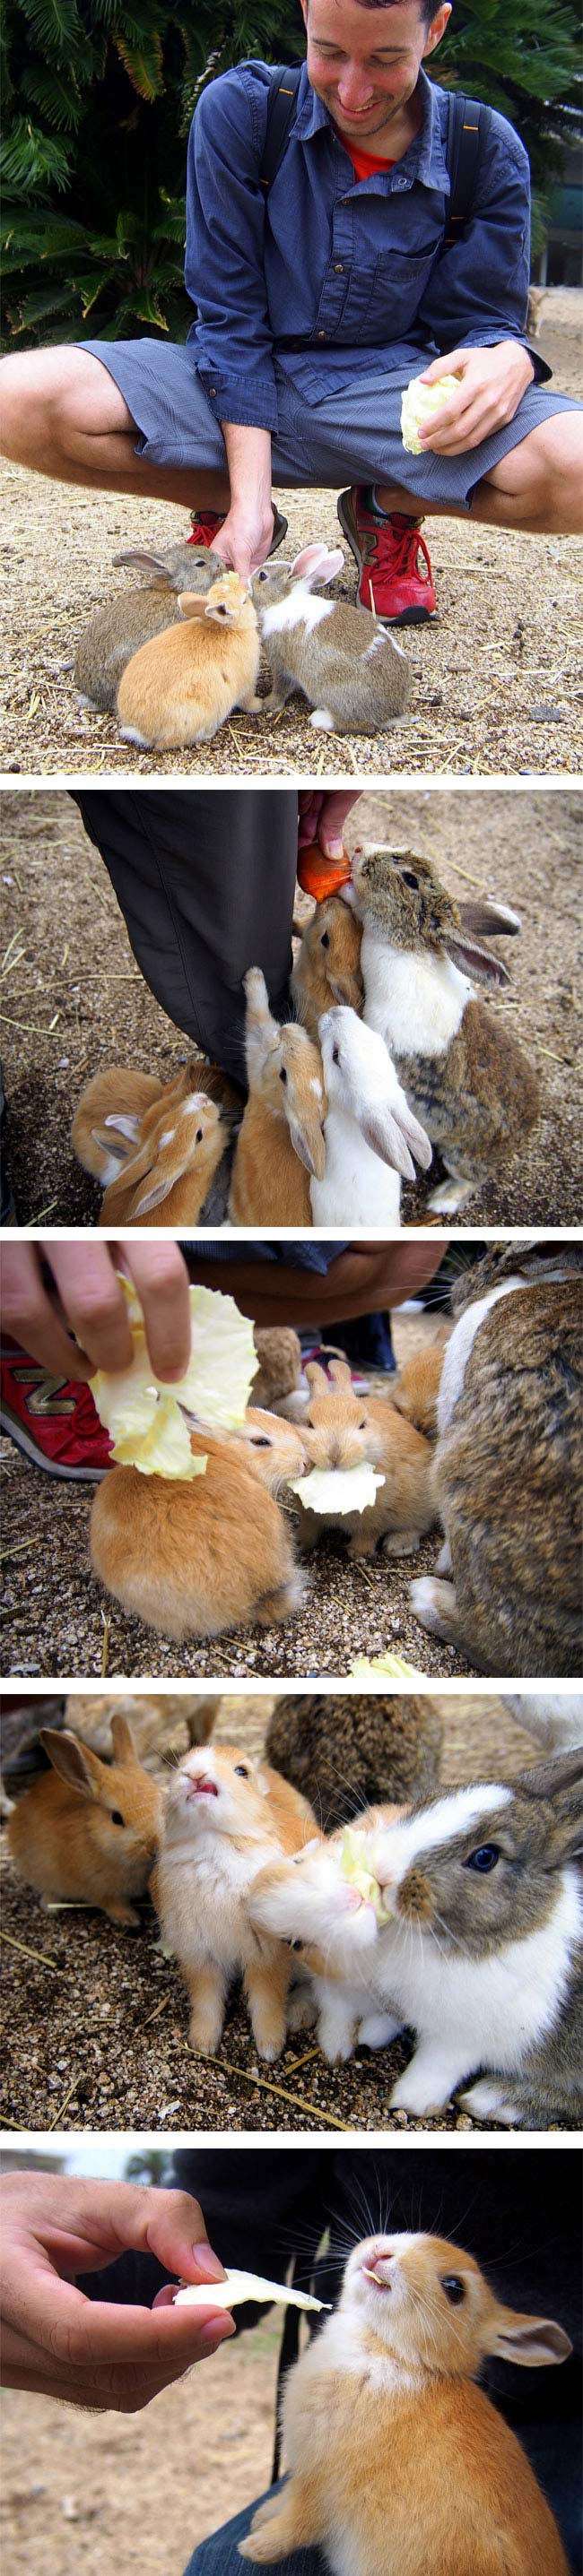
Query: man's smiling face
[{"x": 364, "y": 64}]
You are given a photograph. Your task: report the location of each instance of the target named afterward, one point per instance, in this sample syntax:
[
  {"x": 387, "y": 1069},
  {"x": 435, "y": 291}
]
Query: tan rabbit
[
  {"x": 87, "y": 1833},
  {"x": 356, "y": 677},
  {"x": 415, "y": 1391},
  {"x": 327, "y": 965},
  {"x": 508, "y": 1467},
  {"x": 341, "y": 1429},
  {"x": 398, "y": 2464},
  {"x": 115, "y": 633},
  {"x": 281, "y": 1142},
  {"x": 180, "y": 687},
  {"x": 195, "y": 1558},
  {"x": 227, "y": 1816},
  {"x": 173, "y": 1168},
  {"x": 467, "y": 1080},
  {"x": 107, "y": 1122},
  {"x": 279, "y": 1364}
]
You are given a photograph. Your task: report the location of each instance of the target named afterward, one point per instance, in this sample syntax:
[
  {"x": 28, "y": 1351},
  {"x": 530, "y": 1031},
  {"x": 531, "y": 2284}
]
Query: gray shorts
[{"x": 350, "y": 437}]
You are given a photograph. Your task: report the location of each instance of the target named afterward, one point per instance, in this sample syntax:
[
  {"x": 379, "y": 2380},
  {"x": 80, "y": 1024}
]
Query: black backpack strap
[
  {"x": 467, "y": 124},
  {"x": 281, "y": 107}
]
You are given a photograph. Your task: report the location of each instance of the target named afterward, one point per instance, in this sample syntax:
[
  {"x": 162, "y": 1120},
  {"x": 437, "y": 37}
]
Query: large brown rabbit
[
  {"x": 194, "y": 1558},
  {"x": 508, "y": 1467}
]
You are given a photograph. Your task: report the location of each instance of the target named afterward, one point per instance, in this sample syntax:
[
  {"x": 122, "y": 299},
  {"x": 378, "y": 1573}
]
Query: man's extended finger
[
  {"x": 30, "y": 1319},
  {"x": 335, "y": 808},
  {"x": 93, "y": 1300},
  {"x": 160, "y": 1275}
]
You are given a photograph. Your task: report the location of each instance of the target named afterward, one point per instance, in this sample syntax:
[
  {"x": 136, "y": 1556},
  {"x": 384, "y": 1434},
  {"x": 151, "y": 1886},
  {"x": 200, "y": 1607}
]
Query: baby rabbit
[
  {"x": 281, "y": 1141},
  {"x": 398, "y": 2464},
  {"x": 279, "y": 1364},
  {"x": 327, "y": 965},
  {"x": 341, "y": 1429},
  {"x": 507, "y": 1479},
  {"x": 183, "y": 684},
  {"x": 415, "y": 1391},
  {"x": 465, "y": 1076},
  {"x": 115, "y": 633},
  {"x": 193, "y": 1559},
  {"x": 173, "y": 1167},
  {"x": 87, "y": 1833},
  {"x": 226, "y": 1816},
  {"x": 357, "y": 679},
  {"x": 480, "y": 1956},
  {"x": 108, "y": 1118},
  {"x": 370, "y": 1132}
]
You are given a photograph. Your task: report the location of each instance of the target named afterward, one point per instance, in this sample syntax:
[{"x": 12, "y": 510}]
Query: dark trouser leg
[
  {"x": 220, "y": 2557},
  {"x": 206, "y": 882}
]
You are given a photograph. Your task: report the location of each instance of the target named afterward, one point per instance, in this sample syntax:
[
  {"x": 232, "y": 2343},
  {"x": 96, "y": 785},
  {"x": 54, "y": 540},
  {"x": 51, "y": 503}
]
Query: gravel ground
[
  {"x": 96, "y": 2025},
  {"x": 74, "y": 997},
  {"x": 137, "y": 2492},
  {"x": 498, "y": 677}
]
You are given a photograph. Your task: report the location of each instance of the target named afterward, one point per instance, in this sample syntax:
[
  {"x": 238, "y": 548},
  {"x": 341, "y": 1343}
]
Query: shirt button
[
  {"x": 339, "y": 268},
  {"x": 322, "y": 335}
]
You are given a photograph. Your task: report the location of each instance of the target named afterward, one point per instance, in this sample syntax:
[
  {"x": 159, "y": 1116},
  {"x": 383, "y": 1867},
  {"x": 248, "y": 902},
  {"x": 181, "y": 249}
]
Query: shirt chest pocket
[{"x": 372, "y": 299}]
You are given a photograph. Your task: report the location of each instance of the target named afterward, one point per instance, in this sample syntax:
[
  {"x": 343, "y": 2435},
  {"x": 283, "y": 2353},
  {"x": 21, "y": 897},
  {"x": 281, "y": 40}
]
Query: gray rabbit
[
  {"x": 115, "y": 633},
  {"x": 357, "y": 679}
]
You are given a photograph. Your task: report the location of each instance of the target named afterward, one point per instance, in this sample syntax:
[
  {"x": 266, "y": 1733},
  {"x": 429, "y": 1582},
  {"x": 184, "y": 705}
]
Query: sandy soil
[
  {"x": 498, "y": 677},
  {"x": 96, "y": 2018},
  {"x": 74, "y": 998},
  {"x": 138, "y": 2492}
]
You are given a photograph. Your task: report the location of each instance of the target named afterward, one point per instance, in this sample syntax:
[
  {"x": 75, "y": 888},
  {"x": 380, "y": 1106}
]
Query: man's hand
[
  {"x": 491, "y": 387},
  {"x": 321, "y": 818},
  {"x": 244, "y": 540},
  {"x": 88, "y": 1329},
  {"x": 91, "y": 2352}
]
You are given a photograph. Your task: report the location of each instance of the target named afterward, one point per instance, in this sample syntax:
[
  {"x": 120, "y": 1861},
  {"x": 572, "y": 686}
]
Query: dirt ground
[
  {"x": 96, "y": 2018},
  {"x": 138, "y": 2492},
  {"x": 74, "y": 998},
  {"x": 498, "y": 676}
]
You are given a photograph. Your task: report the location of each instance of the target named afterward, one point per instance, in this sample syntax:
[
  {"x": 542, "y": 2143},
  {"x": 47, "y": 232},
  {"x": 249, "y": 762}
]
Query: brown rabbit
[
  {"x": 415, "y": 1391},
  {"x": 115, "y": 633},
  {"x": 327, "y": 965},
  {"x": 469, "y": 1083},
  {"x": 227, "y": 1816},
  {"x": 195, "y": 1558},
  {"x": 507, "y": 1467},
  {"x": 279, "y": 1364},
  {"x": 108, "y": 1119},
  {"x": 180, "y": 687},
  {"x": 123, "y": 1112},
  {"x": 174, "y": 1166},
  {"x": 341, "y": 1429},
  {"x": 281, "y": 1142},
  {"x": 87, "y": 1833},
  {"x": 398, "y": 2464}
]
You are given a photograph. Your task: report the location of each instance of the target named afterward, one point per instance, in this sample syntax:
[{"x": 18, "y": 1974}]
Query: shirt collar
[{"x": 425, "y": 158}]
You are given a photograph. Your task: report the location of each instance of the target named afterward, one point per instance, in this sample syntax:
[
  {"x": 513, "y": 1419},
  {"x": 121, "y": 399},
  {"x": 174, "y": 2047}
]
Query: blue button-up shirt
[{"x": 330, "y": 278}]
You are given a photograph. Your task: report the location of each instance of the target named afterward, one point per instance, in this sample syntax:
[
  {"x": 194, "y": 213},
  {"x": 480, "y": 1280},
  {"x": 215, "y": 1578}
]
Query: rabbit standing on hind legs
[{"x": 281, "y": 1140}]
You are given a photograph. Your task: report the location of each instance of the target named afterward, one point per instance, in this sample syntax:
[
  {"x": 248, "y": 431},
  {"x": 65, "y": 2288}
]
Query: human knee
[{"x": 44, "y": 396}]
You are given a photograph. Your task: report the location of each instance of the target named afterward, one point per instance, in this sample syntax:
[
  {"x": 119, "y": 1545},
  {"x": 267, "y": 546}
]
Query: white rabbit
[{"x": 370, "y": 1132}]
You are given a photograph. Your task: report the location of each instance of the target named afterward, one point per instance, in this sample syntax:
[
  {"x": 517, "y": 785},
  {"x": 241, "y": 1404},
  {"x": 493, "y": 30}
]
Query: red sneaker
[
  {"x": 204, "y": 524},
  {"x": 393, "y": 562},
  {"x": 52, "y": 1419}
]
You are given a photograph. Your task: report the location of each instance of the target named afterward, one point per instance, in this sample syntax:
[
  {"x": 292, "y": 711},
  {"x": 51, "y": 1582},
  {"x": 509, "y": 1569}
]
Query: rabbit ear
[
  {"x": 192, "y": 603},
  {"x": 308, "y": 1144},
  {"x": 343, "y": 989},
  {"x": 530, "y": 2341},
  {"x": 124, "y": 1124},
  {"x": 317, "y": 563},
  {"x": 485, "y": 920},
  {"x": 122, "y": 1738},
  {"x": 558, "y": 1784},
  {"x": 140, "y": 555},
  {"x": 340, "y": 1374},
  {"x": 382, "y": 1131},
  {"x": 317, "y": 1377},
  {"x": 153, "y": 1198},
  {"x": 77, "y": 1765},
  {"x": 473, "y": 960}
]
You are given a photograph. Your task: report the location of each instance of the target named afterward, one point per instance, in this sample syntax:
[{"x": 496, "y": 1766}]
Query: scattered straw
[
  {"x": 283, "y": 2095},
  {"x": 56, "y": 2123},
  {"x": 39, "y": 1955},
  {"x": 155, "y": 2016},
  {"x": 106, "y": 1618}
]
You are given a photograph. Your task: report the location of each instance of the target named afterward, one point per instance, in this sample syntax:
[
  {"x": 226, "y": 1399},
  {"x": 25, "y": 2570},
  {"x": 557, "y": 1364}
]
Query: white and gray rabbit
[
  {"x": 370, "y": 1133},
  {"x": 132, "y": 617},
  {"x": 356, "y": 678},
  {"x": 466, "y": 1078},
  {"x": 481, "y": 1955}
]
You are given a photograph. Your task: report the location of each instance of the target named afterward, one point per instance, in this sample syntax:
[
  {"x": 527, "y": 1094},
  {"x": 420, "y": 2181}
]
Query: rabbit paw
[
  {"x": 450, "y": 1195},
  {"x": 435, "y": 1605},
  {"x": 444, "y": 1563},
  {"x": 403, "y": 1543},
  {"x": 322, "y": 720},
  {"x": 128, "y": 734},
  {"x": 378, "y": 2031},
  {"x": 301, "y": 2011},
  {"x": 487, "y": 2101}
]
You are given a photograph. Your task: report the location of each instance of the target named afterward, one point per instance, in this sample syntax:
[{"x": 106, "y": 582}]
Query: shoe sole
[
  {"x": 406, "y": 616},
  {"x": 13, "y": 1430}
]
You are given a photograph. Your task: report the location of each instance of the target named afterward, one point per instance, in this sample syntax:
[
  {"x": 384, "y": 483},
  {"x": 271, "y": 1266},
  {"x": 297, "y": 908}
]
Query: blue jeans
[{"x": 219, "y": 2556}]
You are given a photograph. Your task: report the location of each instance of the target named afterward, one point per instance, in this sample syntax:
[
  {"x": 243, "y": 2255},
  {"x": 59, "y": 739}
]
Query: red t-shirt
[{"x": 365, "y": 164}]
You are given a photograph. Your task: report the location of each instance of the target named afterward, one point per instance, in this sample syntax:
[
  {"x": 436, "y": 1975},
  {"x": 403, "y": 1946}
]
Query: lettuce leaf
[
  {"x": 243, "y": 2285},
  {"x": 417, "y": 404},
  {"x": 147, "y": 1419},
  {"x": 337, "y": 1490}
]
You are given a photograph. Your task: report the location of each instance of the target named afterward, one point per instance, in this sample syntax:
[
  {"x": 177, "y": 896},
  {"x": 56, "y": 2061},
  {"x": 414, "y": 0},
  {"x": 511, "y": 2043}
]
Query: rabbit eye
[
  {"x": 115, "y": 1816},
  {"x": 260, "y": 1440},
  {"x": 261, "y": 576},
  {"x": 484, "y": 1859},
  {"x": 409, "y": 879},
  {"x": 199, "y": 1135},
  {"x": 325, "y": 939},
  {"x": 241, "y": 1771},
  {"x": 454, "y": 2288},
  {"x": 309, "y": 1425},
  {"x": 282, "y": 1073},
  {"x": 335, "y": 1055},
  {"x": 362, "y": 1426},
  {"x": 295, "y": 1945}
]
